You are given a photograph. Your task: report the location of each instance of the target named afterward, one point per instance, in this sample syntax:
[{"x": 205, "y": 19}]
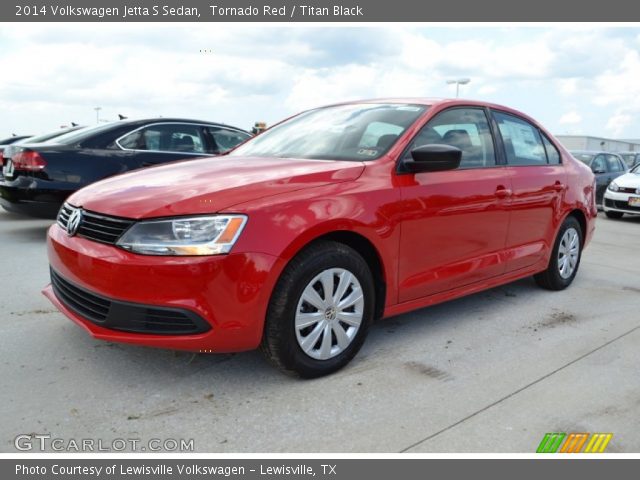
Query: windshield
[
  {"x": 48, "y": 136},
  {"x": 343, "y": 132},
  {"x": 583, "y": 157},
  {"x": 79, "y": 135},
  {"x": 629, "y": 158},
  {"x": 636, "y": 169},
  {"x": 14, "y": 139}
]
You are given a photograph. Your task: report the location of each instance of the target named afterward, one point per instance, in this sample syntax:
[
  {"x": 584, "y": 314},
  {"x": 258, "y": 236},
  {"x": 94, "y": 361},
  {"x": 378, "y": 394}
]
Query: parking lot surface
[{"x": 492, "y": 372}]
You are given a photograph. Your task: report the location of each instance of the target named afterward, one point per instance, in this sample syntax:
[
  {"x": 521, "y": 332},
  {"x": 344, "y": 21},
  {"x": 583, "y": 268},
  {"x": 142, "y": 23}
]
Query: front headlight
[
  {"x": 210, "y": 235},
  {"x": 613, "y": 186}
]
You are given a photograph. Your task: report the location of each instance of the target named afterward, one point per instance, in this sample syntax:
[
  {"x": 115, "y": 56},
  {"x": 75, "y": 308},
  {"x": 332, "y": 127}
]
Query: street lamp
[
  {"x": 97, "y": 109},
  {"x": 458, "y": 82}
]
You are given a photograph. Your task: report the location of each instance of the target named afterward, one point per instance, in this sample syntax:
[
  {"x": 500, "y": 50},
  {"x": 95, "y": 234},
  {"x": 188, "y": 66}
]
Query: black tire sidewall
[
  {"x": 570, "y": 222},
  {"x": 315, "y": 261}
]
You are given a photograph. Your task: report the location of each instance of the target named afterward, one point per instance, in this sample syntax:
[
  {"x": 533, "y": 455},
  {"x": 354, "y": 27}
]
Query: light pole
[
  {"x": 97, "y": 109},
  {"x": 458, "y": 82}
]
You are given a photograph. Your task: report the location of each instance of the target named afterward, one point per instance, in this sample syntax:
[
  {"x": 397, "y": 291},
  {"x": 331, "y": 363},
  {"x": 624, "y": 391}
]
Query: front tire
[
  {"x": 320, "y": 311},
  {"x": 614, "y": 215},
  {"x": 565, "y": 257}
]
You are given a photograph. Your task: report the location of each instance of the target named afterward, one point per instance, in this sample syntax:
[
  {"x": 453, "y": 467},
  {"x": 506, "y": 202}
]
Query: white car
[{"x": 623, "y": 195}]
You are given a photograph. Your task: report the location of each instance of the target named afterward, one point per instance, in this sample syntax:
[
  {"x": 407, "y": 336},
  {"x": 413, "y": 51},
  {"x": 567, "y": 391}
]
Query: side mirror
[{"x": 434, "y": 158}]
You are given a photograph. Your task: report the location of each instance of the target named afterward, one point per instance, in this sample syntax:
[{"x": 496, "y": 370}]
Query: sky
[{"x": 574, "y": 79}]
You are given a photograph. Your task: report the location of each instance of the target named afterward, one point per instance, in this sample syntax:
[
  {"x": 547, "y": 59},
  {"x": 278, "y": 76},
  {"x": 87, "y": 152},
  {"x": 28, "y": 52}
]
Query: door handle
[
  {"x": 502, "y": 192},
  {"x": 559, "y": 187}
]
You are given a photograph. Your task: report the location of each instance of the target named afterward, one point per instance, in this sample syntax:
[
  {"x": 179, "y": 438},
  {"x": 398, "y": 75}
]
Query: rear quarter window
[{"x": 553, "y": 155}]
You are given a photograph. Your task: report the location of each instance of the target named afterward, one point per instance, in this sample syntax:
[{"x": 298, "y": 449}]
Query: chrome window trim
[{"x": 200, "y": 154}]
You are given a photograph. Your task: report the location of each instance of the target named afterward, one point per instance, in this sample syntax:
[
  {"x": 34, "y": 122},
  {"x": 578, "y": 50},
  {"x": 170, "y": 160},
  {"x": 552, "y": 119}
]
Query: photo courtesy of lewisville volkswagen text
[{"x": 318, "y": 239}]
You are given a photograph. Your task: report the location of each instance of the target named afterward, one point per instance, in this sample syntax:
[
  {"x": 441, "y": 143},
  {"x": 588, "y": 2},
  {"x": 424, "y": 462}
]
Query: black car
[
  {"x": 605, "y": 165},
  {"x": 39, "y": 177},
  {"x": 7, "y": 150}
]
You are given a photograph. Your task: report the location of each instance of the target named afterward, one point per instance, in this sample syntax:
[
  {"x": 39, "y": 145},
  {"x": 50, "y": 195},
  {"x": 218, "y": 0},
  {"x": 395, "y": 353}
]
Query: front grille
[
  {"x": 628, "y": 190},
  {"x": 620, "y": 205},
  {"x": 94, "y": 226},
  {"x": 126, "y": 316}
]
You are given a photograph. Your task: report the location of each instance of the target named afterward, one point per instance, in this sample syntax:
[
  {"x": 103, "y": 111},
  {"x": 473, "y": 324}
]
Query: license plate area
[
  {"x": 7, "y": 170},
  {"x": 634, "y": 201}
]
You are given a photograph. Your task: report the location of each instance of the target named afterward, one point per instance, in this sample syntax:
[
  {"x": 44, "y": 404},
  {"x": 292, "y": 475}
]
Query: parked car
[
  {"x": 605, "y": 165},
  {"x": 623, "y": 195},
  {"x": 630, "y": 158},
  {"x": 40, "y": 176},
  {"x": 7, "y": 150},
  {"x": 299, "y": 238},
  {"x": 13, "y": 139}
]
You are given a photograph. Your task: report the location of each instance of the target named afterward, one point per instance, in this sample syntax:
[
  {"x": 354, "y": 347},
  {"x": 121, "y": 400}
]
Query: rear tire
[
  {"x": 614, "y": 215},
  {"x": 320, "y": 311},
  {"x": 565, "y": 257}
]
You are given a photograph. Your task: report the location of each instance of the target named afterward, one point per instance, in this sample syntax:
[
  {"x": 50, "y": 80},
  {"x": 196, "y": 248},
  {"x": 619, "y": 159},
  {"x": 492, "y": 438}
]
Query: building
[{"x": 583, "y": 142}]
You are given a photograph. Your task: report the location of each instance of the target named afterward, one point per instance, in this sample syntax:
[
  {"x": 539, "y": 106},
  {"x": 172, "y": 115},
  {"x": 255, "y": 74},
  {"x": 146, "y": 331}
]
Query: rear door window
[
  {"x": 166, "y": 137},
  {"x": 522, "y": 142}
]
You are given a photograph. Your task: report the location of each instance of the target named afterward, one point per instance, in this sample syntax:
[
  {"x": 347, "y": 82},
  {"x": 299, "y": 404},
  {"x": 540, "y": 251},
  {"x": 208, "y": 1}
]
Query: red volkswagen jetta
[{"x": 301, "y": 237}]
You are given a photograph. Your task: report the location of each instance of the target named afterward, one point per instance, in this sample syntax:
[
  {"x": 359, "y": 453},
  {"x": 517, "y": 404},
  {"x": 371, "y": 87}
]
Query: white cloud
[
  {"x": 570, "y": 118},
  {"x": 568, "y": 86},
  {"x": 487, "y": 89},
  {"x": 617, "y": 124},
  {"x": 620, "y": 86},
  {"x": 55, "y": 73},
  {"x": 482, "y": 56}
]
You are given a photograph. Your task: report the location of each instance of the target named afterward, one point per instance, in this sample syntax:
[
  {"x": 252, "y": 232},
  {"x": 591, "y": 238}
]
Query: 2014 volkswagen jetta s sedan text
[{"x": 301, "y": 237}]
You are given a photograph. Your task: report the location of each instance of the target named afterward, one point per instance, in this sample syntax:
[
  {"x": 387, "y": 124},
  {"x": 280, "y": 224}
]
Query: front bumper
[
  {"x": 229, "y": 293},
  {"x": 619, "y": 202}
]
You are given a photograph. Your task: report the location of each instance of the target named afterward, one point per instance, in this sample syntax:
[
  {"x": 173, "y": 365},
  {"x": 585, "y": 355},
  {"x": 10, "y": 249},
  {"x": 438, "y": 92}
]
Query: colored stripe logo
[{"x": 560, "y": 442}]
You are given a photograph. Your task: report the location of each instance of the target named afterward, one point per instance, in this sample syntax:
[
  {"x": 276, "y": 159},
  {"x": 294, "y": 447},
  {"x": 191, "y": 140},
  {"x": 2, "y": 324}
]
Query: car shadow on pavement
[
  {"x": 626, "y": 218},
  {"x": 31, "y": 233},
  {"x": 385, "y": 337},
  {"x": 629, "y": 219}
]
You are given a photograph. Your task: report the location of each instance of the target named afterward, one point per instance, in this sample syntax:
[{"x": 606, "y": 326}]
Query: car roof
[
  {"x": 592, "y": 152},
  {"x": 142, "y": 121},
  {"x": 431, "y": 101},
  {"x": 438, "y": 102}
]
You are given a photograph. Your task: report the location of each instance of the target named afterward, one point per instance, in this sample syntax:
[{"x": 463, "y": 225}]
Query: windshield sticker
[{"x": 369, "y": 152}]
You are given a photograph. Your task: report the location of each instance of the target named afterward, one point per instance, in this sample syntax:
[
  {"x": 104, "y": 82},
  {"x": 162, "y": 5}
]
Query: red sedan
[{"x": 298, "y": 239}]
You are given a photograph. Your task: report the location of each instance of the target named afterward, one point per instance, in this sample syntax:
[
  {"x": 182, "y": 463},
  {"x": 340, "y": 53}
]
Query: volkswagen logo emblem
[{"x": 74, "y": 222}]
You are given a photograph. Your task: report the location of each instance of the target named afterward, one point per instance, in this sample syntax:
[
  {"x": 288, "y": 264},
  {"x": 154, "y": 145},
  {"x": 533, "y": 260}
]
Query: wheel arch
[
  {"x": 361, "y": 244},
  {"x": 582, "y": 220}
]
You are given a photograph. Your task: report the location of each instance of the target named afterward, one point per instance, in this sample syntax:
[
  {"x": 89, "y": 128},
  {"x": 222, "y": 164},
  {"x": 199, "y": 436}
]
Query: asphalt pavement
[{"x": 492, "y": 372}]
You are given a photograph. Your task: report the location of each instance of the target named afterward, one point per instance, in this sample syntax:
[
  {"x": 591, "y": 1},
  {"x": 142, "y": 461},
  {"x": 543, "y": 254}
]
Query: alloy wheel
[{"x": 329, "y": 313}]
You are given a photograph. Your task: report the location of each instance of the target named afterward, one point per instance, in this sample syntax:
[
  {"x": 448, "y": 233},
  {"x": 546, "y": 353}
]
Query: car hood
[
  {"x": 208, "y": 185},
  {"x": 629, "y": 180}
]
